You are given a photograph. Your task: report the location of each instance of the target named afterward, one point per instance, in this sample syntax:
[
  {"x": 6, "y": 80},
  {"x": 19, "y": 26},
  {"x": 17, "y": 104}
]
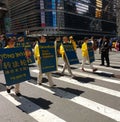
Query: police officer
[{"x": 105, "y": 52}]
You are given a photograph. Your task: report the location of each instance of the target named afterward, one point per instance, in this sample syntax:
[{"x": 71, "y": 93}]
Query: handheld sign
[
  {"x": 90, "y": 52},
  {"x": 70, "y": 53},
  {"x": 28, "y": 51},
  {"x": 47, "y": 57},
  {"x": 14, "y": 65}
]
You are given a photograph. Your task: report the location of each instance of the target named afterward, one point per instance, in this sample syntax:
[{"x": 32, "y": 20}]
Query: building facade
[
  {"x": 118, "y": 17},
  {"x": 63, "y": 17},
  {"x": 3, "y": 11}
]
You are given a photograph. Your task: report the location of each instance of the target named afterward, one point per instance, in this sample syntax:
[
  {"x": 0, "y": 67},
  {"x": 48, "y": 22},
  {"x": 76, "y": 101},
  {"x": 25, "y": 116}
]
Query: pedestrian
[
  {"x": 57, "y": 44},
  {"x": 85, "y": 55},
  {"x": 100, "y": 40},
  {"x": 42, "y": 39},
  {"x": 117, "y": 45},
  {"x": 72, "y": 41},
  {"x": 110, "y": 44},
  {"x": 62, "y": 52},
  {"x": 105, "y": 52},
  {"x": 2, "y": 41},
  {"x": 10, "y": 44}
]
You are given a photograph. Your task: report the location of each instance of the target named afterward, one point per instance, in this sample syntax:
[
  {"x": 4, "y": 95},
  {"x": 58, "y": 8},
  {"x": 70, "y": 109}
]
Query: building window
[{"x": 98, "y": 13}]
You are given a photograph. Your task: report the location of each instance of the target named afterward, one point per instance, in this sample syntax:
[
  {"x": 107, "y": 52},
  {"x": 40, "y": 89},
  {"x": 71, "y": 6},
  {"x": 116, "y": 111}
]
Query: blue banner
[
  {"x": 90, "y": 52},
  {"x": 14, "y": 65},
  {"x": 70, "y": 53},
  {"x": 47, "y": 57},
  {"x": 28, "y": 51}
]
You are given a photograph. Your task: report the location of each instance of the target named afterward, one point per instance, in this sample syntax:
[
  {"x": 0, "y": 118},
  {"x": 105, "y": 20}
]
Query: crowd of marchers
[{"x": 103, "y": 44}]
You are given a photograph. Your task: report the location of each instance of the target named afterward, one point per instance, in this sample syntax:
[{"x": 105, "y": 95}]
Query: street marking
[
  {"x": 108, "y": 68},
  {"x": 92, "y": 105},
  {"x": 88, "y": 85},
  {"x": 10, "y": 98},
  {"x": 97, "y": 66},
  {"x": 91, "y": 86},
  {"x": 32, "y": 109},
  {"x": 111, "y": 62},
  {"x": 41, "y": 87},
  {"x": 99, "y": 108},
  {"x": 99, "y": 71},
  {"x": 90, "y": 75}
]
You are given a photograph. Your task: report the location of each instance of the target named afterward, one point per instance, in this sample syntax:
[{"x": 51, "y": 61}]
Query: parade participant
[
  {"x": 57, "y": 44},
  {"x": 94, "y": 43},
  {"x": 20, "y": 39},
  {"x": 85, "y": 55},
  {"x": 73, "y": 43},
  {"x": 105, "y": 52},
  {"x": 2, "y": 41},
  {"x": 37, "y": 57},
  {"x": 10, "y": 44},
  {"x": 62, "y": 52}
]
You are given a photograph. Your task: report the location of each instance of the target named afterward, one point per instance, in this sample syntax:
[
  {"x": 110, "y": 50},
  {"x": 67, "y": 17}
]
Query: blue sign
[
  {"x": 47, "y": 57},
  {"x": 28, "y": 51},
  {"x": 14, "y": 65},
  {"x": 70, "y": 54},
  {"x": 90, "y": 52}
]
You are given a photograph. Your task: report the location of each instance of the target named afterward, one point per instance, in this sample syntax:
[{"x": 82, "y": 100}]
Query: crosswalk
[{"x": 88, "y": 94}]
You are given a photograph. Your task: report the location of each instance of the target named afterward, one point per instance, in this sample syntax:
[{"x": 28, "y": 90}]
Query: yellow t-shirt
[
  {"x": 74, "y": 44},
  {"x": 37, "y": 53},
  {"x": 84, "y": 50}
]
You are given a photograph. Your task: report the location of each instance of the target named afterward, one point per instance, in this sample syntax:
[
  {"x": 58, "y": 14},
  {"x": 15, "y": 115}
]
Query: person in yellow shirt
[
  {"x": 10, "y": 44},
  {"x": 85, "y": 55},
  {"x": 62, "y": 52},
  {"x": 37, "y": 57},
  {"x": 73, "y": 42}
]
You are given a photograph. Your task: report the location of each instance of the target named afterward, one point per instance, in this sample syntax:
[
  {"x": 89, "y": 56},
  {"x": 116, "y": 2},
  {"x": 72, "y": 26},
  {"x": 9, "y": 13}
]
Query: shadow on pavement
[
  {"x": 84, "y": 79},
  {"x": 68, "y": 93}
]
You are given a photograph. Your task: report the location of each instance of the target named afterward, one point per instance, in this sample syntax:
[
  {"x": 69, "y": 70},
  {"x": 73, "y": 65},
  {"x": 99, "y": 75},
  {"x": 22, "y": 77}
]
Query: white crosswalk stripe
[
  {"x": 90, "y": 86},
  {"x": 38, "y": 114},
  {"x": 104, "y": 110},
  {"x": 42, "y": 115},
  {"x": 95, "y": 76}
]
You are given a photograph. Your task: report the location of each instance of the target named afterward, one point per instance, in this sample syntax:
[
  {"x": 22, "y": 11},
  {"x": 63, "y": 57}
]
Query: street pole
[{"x": 118, "y": 17}]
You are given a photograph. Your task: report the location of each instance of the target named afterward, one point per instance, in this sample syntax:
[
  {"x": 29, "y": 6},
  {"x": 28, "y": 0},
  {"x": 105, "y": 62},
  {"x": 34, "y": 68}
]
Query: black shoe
[
  {"x": 95, "y": 69},
  {"x": 108, "y": 66},
  {"x": 39, "y": 83},
  {"x": 8, "y": 90},
  {"x": 12, "y": 87},
  {"x": 101, "y": 64},
  {"x": 62, "y": 73},
  {"x": 53, "y": 85},
  {"x": 18, "y": 94}
]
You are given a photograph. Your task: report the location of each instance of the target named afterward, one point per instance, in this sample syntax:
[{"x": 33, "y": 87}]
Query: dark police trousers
[{"x": 105, "y": 55}]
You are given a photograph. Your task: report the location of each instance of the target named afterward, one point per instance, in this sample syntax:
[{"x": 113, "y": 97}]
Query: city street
[{"x": 87, "y": 97}]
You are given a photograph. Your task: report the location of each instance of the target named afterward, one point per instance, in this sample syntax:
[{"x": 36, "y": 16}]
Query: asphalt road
[{"x": 88, "y": 97}]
